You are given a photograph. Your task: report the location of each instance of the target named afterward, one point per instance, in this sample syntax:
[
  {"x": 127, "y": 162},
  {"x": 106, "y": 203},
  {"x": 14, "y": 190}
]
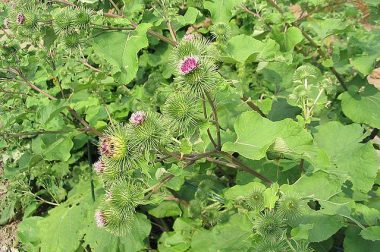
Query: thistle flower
[
  {"x": 82, "y": 17},
  {"x": 291, "y": 207},
  {"x": 118, "y": 223},
  {"x": 63, "y": 22},
  {"x": 307, "y": 75},
  {"x": 137, "y": 118},
  {"x": 126, "y": 195},
  {"x": 266, "y": 245},
  {"x": 113, "y": 144},
  {"x": 189, "y": 37},
  {"x": 303, "y": 246},
  {"x": 191, "y": 45},
  {"x": 20, "y": 18},
  {"x": 183, "y": 112},
  {"x": 194, "y": 61},
  {"x": 99, "y": 167},
  {"x": 221, "y": 31},
  {"x": 149, "y": 135},
  {"x": 200, "y": 78},
  {"x": 255, "y": 201},
  {"x": 188, "y": 64},
  {"x": 72, "y": 40},
  {"x": 270, "y": 225},
  {"x": 100, "y": 219}
]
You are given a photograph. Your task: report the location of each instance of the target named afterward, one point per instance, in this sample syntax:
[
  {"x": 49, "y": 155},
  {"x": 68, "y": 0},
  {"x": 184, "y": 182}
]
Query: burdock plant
[{"x": 195, "y": 65}]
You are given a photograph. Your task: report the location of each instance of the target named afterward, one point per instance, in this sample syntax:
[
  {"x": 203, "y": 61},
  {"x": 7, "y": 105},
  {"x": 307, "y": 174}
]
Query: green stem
[
  {"x": 206, "y": 117},
  {"x": 216, "y": 120}
]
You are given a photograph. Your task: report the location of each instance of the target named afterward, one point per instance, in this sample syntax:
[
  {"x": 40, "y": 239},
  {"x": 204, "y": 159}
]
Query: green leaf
[
  {"x": 364, "y": 64},
  {"x": 28, "y": 232},
  {"x": 301, "y": 232},
  {"x": 271, "y": 196},
  {"x": 48, "y": 112},
  {"x": 362, "y": 107},
  {"x": 242, "y": 190},
  {"x": 307, "y": 184},
  {"x": 323, "y": 226},
  {"x": 166, "y": 209},
  {"x": 62, "y": 229},
  {"x": 353, "y": 242},
  {"x": 189, "y": 18},
  {"x": 100, "y": 240},
  {"x": 371, "y": 233},
  {"x": 254, "y": 141},
  {"x": 120, "y": 50},
  {"x": 53, "y": 147},
  {"x": 287, "y": 39},
  {"x": 221, "y": 10},
  {"x": 233, "y": 235},
  {"x": 292, "y": 37},
  {"x": 351, "y": 159},
  {"x": 240, "y": 48}
]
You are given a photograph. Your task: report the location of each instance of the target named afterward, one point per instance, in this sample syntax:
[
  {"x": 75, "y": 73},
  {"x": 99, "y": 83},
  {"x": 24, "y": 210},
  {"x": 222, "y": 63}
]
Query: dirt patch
[
  {"x": 374, "y": 78},
  {"x": 8, "y": 237}
]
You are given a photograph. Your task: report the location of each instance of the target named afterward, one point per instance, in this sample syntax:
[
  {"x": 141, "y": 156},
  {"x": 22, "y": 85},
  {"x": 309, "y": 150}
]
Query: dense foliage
[{"x": 171, "y": 125}]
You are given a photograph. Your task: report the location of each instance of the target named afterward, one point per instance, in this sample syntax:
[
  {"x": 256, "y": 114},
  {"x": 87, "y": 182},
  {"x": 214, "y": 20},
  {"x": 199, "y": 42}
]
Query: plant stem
[
  {"x": 246, "y": 168},
  {"x": 206, "y": 117},
  {"x": 253, "y": 106},
  {"x": 172, "y": 31},
  {"x": 40, "y": 198},
  {"x": 216, "y": 121}
]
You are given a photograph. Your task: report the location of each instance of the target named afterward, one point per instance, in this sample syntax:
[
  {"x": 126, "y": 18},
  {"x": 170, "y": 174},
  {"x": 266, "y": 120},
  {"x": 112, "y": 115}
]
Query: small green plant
[{"x": 163, "y": 125}]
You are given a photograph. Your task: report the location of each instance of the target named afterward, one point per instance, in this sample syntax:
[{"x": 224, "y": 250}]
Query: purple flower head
[
  {"x": 20, "y": 19},
  {"x": 188, "y": 65},
  {"x": 100, "y": 219},
  {"x": 189, "y": 37},
  {"x": 106, "y": 147},
  {"x": 137, "y": 118},
  {"x": 99, "y": 167}
]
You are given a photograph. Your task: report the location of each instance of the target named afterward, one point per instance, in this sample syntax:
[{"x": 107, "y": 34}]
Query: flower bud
[
  {"x": 99, "y": 167},
  {"x": 113, "y": 146},
  {"x": 188, "y": 64},
  {"x": 100, "y": 219},
  {"x": 137, "y": 118},
  {"x": 20, "y": 19}
]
